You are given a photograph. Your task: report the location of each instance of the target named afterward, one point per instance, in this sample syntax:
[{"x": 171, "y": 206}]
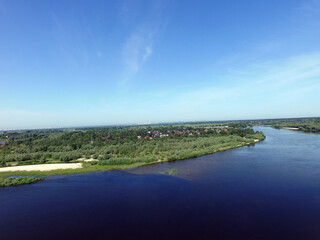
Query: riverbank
[
  {"x": 308, "y": 130},
  {"x": 47, "y": 170},
  {"x": 16, "y": 181},
  {"x": 303, "y": 125},
  {"x": 42, "y": 167}
]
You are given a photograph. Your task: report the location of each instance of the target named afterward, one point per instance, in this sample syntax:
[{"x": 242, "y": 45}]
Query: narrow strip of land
[
  {"x": 42, "y": 167},
  {"x": 57, "y": 152}
]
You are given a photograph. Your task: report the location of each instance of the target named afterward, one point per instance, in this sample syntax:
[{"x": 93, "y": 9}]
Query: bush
[
  {"x": 15, "y": 181},
  {"x": 103, "y": 157},
  {"x": 65, "y": 157},
  {"x": 2, "y": 163}
]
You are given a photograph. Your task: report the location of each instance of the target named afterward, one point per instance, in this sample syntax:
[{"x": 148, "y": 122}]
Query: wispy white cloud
[
  {"x": 137, "y": 49},
  {"x": 291, "y": 79},
  {"x": 281, "y": 88}
]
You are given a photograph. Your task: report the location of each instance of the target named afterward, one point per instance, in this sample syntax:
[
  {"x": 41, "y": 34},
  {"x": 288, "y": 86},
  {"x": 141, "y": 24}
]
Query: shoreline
[
  {"x": 42, "y": 167},
  {"x": 291, "y": 128},
  {"x": 296, "y": 129},
  {"x": 87, "y": 167}
]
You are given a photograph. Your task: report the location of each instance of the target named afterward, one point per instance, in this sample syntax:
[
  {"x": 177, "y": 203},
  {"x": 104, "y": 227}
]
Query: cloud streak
[
  {"x": 137, "y": 49},
  {"x": 275, "y": 82}
]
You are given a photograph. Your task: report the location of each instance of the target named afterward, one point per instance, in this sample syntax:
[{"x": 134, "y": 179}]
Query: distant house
[{"x": 164, "y": 135}]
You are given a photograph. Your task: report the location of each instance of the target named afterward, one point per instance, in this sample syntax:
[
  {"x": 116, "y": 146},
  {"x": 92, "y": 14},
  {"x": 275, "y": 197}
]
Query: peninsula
[{"x": 67, "y": 151}]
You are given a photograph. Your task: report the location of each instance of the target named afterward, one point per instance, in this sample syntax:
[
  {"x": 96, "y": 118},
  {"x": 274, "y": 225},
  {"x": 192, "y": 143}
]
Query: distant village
[
  {"x": 158, "y": 134},
  {"x": 138, "y": 134}
]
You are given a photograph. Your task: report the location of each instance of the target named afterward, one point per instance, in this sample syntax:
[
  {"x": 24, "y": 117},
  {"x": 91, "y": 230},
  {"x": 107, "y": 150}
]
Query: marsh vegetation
[{"x": 15, "y": 181}]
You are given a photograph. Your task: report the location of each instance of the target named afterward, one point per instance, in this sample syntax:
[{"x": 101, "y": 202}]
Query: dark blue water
[{"x": 267, "y": 191}]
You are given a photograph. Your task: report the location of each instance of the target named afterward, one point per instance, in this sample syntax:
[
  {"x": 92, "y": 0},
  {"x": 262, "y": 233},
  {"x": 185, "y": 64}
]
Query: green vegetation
[
  {"x": 305, "y": 125},
  {"x": 119, "y": 147},
  {"x": 86, "y": 168},
  {"x": 15, "y": 181},
  {"x": 170, "y": 171},
  {"x": 129, "y": 146},
  {"x": 300, "y": 124}
]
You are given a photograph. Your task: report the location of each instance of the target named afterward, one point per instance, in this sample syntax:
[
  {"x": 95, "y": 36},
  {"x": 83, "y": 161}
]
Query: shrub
[
  {"x": 103, "y": 157},
  {"x": 15, "y": 181}
]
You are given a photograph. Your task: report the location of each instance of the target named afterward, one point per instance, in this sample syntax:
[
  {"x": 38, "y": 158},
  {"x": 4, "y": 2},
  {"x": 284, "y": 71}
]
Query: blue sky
[{"x": 75, "y": 63}]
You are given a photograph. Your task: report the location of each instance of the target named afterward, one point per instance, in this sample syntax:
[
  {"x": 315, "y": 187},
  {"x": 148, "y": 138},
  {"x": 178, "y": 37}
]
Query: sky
[{"x": 86, "y": 63}]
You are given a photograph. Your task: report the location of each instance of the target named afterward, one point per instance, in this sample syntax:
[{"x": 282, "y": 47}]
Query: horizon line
[{"x": 152, "y": 123}]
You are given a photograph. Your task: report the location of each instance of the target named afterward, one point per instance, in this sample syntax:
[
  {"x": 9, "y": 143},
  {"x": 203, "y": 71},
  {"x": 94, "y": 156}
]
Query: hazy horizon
[
  {"x": 152, "y": 123},
  {"x": 65, "y": 64}
]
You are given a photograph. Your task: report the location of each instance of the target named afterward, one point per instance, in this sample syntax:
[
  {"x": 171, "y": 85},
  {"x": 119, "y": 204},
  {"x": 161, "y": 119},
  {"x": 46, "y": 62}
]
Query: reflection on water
[{"x": 267, "y": 191}]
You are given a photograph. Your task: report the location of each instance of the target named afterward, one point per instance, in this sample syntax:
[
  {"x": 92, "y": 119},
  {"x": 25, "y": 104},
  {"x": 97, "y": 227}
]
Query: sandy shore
[
  {"x": 42, "y": 167},
  {"x": 291, "y": 128}
]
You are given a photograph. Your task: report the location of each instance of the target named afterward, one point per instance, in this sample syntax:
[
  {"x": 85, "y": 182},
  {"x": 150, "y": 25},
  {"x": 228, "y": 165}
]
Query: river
[{"x": 267, "y": 191}]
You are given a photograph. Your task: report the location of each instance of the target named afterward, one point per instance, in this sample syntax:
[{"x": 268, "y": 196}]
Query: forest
[
  {"x": 311, "y": 125},
  {"x": 121, "y": 145}
]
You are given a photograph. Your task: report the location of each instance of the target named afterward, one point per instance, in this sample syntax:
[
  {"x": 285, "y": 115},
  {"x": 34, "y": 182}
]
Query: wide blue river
[{"x": 267, "y": 191}]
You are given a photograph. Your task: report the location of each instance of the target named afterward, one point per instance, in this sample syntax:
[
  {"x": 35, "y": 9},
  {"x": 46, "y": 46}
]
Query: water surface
[{"x": 267, "y": 191}]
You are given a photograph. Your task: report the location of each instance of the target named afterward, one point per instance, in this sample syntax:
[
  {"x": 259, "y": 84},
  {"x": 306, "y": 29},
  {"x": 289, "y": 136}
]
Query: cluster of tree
[
  {"x": 302, "y": 124},
  {"x": 113, "y": 145},
  {"x": 305, "y": 125}
]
